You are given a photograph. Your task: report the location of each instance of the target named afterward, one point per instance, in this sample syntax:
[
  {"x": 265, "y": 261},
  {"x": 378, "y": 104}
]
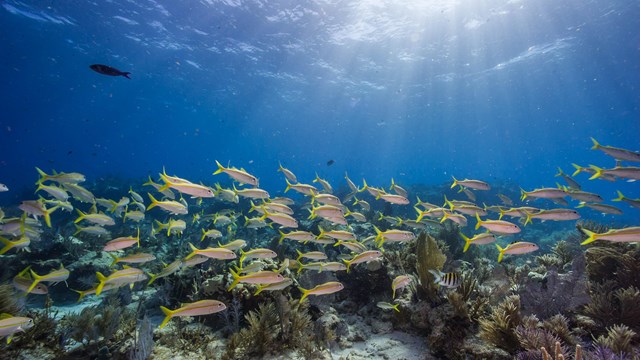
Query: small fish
[
  {"x": 71, "y": 178},
  {"x": 98, "y": 219},
  {"x": 305, "y": 189},
  {"x": 234, "y": 245},
  {"x": 21, "y": 243},
  {"x": 393, "y": 199},
  {"x": 387, "y": 306},
  {"x": 393, "y": 235},
  {"x": 322, "y": 289},
  {"x": 253, "y": 193},
  {"x": 3, "y": 188},
  {"x": 516, "y": 248},
  {"x": 397, "y": 189},
  {"x": 375, "y": 192},
  {"x": 543, "y": 193},
  {"x": 354, "y": 246},
  {"x": 55, "y": 277},
  {"x": 239, "y": 175},
  {"x": 325, "y": 184},
  {"x": 296, "y": 236},
  {"x": 214, "y": 253},
  {"x": 326, "y": 199},
  {"x": 505, "y": 200},
  {"x": 617, "y": 153},
  {"x": 9, "y": 325},
  {"x": 275, "y": 286},
  {"x": 260, "y": 277},
  {"x": 186, "y": 187},
  {"x": 173, "y": 226},
  {"x": 603, "y": 208},
  {"x": 449, "y": 280},
  {"x": 92, "y": 230},
  {"x": 198, "y": 259},
  {"x": 330, "y": 162},
  {"x": 139, "y": 258},
  {"x": 363, "y": 257},
  {"x": 79, "y": 193},
  {"x": 399, "y": 282},
  {"x": 288, "y": 173},
  {"x": 497, "y": 226},
  {"x": 22, "y": 282},
  {"x": 351, "y": 184},
  {"x": 630, "y": 234},
  {"x": 313, "y": 255},
  {"x": 108, "y": 70},
  {"x": 37, "y": 208},
  {"x": 633, "y": 202},
  {"x": 126, "y": 276},
  {"x": 93, "y": 291},
  {"x": 172, "y": 207},
  {"x": 281, "y": 219},
  {"x": 472, "y": 184},
  {"x": 57, "y": 192},
  {"x": 624, "y": 172},
  {"x": 202, "y": 307},
  {"x": 259, "y": 253},
  {"x": 166, "y": 271},
  {"x": 569, "y": 180},
  {"x": 362, "y": 203},
  {"x": 480, "y": 239}
]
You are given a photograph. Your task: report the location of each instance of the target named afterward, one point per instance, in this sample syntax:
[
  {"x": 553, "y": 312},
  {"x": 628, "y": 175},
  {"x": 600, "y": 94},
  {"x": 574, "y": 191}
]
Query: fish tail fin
[
  {"x": 305, "y": 293},
  {"x": 598, "y": 172},
  {"x": 300, "y": 267},
  {"x": 467, "y": 242},
  {"x": 194, "y": 252},
  {"x": 115, "y": 259},
  {"x": 82, "y": 294},
  {"x": 126, "y": 74},
  {"x": 43, "y": 176},
  {"x": 395, "y": 307},
  {"x": 578, "y": 169},
  {"x": 154, "y": 202},
  {"x": 560, "y": 172},
  {"x": 236, "y": 279},
  {"x": 260, "y": 288},
  {"x": 348, "y": 262},
  {"x": 36, "y": 280},
  {"x": 7, "y": 245},
  {"x": 288, "y": 185},
  {"x": 596, "y": 145},
  {"x": 152, "y": 278},
  {"x": 528, "y": 219},
  {"x": 620, "y": 196},
  {"x": 168, "y": 315},
  {"x": 479, "y": 221},
  {"x": 101, "y": 279},
  {"x": 523, "y": 194},
  {"x": 437, "y": 275},
  {"x": 455, "y": 182},
  {"x": 445, "y": 216},
  {"x": 220, "y": 168},
  {"x": 282, "y": 236},
  {"x": 501, "y": 250},
  {"x": 591, "y": 236},
  {"x": 300, "y": 254}
]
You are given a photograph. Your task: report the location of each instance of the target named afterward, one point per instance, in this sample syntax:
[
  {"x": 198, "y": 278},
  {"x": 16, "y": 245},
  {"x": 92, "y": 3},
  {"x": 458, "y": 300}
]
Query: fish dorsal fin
[
  {"x": 5, "y": 316},
  {"x": 126, "y": 267}
]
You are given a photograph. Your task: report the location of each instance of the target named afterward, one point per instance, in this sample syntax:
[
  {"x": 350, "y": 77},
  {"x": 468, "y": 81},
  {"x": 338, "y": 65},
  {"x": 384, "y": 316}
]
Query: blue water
[{"x": 415, "y": 90}]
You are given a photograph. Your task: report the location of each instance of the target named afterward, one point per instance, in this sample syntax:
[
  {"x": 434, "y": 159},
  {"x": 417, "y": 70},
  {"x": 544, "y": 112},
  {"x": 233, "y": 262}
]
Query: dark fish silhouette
[
  {"x": 108, "y": 70},
  {"x": 330, "y": 162}
]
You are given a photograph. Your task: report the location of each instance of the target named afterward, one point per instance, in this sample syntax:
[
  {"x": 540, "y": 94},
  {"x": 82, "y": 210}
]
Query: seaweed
[
  {"x": 273, "y": 327},
  {"x": 619, "y": 338},
  {"x": 8, "y": 300},
  {"x": 428, "y": 257},
  {"x": 610, "y": 307},
  {"x": 499, "y": 327}
]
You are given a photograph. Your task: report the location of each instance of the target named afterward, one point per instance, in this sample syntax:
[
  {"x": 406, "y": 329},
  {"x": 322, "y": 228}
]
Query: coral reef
[
  {"x": 9, "y": 303},
  {"x": 499, "y": 328}
]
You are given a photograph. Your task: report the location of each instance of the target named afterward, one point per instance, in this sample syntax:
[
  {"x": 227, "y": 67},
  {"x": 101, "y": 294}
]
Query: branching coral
[
  {"x": 609, "y": 307},
  {"x": 619, "y": 338},
  {"x": 273, "y": 327},
  {"x": 499, "y": 327}
]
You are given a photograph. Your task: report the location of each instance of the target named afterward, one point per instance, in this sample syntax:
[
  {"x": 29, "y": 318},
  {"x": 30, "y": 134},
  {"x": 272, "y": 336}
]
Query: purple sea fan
[{"x": 557, "y": 293}]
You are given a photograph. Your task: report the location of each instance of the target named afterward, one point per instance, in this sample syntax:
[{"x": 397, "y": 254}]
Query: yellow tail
[
  {"x": 305, "y": 293},
  {"x": 36, "y": 279},
  {"x": 102, "y": 280},
  {"x": 236, "y": 280},
  {"x": 591, "y": 236},
  {"x": 169, "y": 315},
  {"x": 596, "y": 145},
  {"x": 154, "y": 202},
  {"x": 501, "y": 250},
  {"x": 467, "y": 242},
  {"x": 7, "y": 245},
  {"x": 194, "y": 252},
  {"x": 479, "y": 221},
  {"x": 220, "y": 168}
]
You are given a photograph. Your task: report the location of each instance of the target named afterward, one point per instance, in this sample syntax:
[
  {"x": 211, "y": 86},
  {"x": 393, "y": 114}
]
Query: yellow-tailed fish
[
  {"x": 275, "y": 286},
  {"x": 516, "y": 248},
  {"x": 166, "y": 271},
  {"x": 630, "y": 234},
  {"x": 287, "y": 173},
  {"x": 139, "y": 258},
  {"x": 170, "y": 206},
  {"x": 479, "y": 239},
  {"x": 10, "y": 325},
  {"x": 260, "y": 277},
  {"x": 202, "y": 307},
  {"x": 633, "y": 202},
  {"x": 122, "y": 242},
  {"x": 617, "y": 153},
  {"x": 387, "y": 306},
  {"x": 55, "y": 276},
  {"x": 322, "y": 289},
  {"x": 363, "y": 257},
  {"x": 60, "y": 178},
  {"x": 214, "y": 253},
  {"x": 238, "y": 175},
  {"x": 126, "y": 276},
  {"x": 399, "y": 282},
  {"x": 472, "y": 184},
  {"x": 18, "y": 244},
  {"x": 497, "y": 226}
]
